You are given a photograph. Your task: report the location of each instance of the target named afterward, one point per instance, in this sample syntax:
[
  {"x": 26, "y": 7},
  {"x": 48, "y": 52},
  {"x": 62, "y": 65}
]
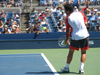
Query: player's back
[{"x": 76, "y": 20}]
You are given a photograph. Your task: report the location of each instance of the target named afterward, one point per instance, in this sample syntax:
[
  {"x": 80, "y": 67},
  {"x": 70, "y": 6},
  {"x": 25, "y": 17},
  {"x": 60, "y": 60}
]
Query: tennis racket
[{"x": 61, "y": 41}]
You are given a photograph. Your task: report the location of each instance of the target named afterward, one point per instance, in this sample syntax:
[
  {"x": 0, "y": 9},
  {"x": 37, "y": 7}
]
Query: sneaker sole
[
  {"x": 65, "y": 71},
  {"x": 81, "y": 72}
]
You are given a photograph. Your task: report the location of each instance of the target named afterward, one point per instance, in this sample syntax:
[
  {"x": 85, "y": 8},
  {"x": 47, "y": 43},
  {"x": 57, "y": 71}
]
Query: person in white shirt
[
  {"x": 98, "y": 16},
  {"x": 60, "y": 26},
  {"x": 95, "y": 12},
  {"x": 61, "y": 15},
  {"x": 53, "y": 9},
  {"x": 76, "y": 22},
  {"x": 39, "y": 12},
  {"x": 58, "y": 10},
  {"x": 61, "y": 1},
  {"x": 16, "y": 16},
  {"x": 43, "y": 21},
  {"x": 49, "y": 2}
]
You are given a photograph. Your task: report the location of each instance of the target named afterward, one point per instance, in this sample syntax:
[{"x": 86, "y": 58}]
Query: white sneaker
[
  {"x": 81, "y": 71},
  {"x": 65, "y": 70}
]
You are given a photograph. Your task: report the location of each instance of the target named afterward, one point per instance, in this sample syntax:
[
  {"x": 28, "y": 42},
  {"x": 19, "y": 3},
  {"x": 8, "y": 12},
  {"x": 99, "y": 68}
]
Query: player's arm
[
  {"x": 67, "y": 37},
  {"x": 67, "y": 32}
]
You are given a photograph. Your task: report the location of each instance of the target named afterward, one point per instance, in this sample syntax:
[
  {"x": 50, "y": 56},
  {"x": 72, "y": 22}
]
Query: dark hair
[
  {"x": 68, "y": 7},
  {"x": 33, "y": 8},
  {"x": 8, "y": 19}
]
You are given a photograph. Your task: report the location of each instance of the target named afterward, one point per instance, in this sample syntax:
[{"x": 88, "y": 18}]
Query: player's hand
[{"x": 67, "y": 42}]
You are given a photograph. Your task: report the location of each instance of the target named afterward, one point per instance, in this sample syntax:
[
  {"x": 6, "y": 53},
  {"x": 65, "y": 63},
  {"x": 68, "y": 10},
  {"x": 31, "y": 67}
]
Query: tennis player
[{"x": 80, "y": 36}]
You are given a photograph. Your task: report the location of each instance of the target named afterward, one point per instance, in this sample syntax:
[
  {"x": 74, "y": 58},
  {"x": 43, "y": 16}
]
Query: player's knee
[
  {"x": 71, "y": 51},
  {"x": 83, "y": 52}
]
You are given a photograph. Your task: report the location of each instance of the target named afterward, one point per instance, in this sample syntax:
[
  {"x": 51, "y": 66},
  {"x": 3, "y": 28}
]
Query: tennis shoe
[
  {"x": 81, "y": 71},
  {"x": 65, "y": 70}
]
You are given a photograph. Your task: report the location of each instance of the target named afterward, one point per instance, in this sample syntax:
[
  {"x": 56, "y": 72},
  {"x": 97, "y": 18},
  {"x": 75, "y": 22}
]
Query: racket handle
[{"x": 67, "y": 44}]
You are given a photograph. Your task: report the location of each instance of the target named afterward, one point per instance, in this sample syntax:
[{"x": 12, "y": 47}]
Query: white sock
[
  {"x": 67, "y": 65},
  {"x": 82, "y": 66}
]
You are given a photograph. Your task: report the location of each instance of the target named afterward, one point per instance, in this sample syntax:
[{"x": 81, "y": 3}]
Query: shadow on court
[
  {"x": 68, "y": 73},
  {"x": 47, "y": 72}
]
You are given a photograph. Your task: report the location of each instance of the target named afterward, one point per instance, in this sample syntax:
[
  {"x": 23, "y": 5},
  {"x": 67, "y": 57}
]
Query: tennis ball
[
  {"x": 64, "y": 43},
  {"x": 43, "y": 28}
]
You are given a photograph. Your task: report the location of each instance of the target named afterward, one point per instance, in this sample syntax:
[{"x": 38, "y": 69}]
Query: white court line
[
  {"x": 20, "y": 55},
  {"x": 50, "y": 65}
]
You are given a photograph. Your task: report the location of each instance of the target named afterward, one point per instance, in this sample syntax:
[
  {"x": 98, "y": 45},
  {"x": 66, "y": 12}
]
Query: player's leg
[
  {"x": 84, "y": 44},
  {"x": 74, "y": 45},
  {"x": 70, "y": 56},
  {"x": 83, "y": 58},
  {"x": 69, "y": 59}
]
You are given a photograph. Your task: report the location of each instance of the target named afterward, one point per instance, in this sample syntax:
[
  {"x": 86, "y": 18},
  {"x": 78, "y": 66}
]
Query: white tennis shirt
[{"x": 76, "y": 21}]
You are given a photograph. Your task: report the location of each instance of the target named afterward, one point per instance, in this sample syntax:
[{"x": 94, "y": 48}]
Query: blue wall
[
  {"x": 34, "y": 41},
  {"x": 31, "y": 36}
]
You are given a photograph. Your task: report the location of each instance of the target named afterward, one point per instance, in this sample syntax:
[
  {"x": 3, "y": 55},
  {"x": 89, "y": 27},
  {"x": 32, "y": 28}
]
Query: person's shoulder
[
  {"x": 59, "y": 14},
  {"x": 89, "y": 17},
  {"x": 97, "y": 15},
  {"x": 17, "y": 15},
  {"x": 94, "y": 15},
  {"x": 2, "y": 23}
]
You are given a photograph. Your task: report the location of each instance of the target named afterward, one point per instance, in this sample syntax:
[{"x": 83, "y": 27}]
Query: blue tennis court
[{"x": 26, "y": 64}]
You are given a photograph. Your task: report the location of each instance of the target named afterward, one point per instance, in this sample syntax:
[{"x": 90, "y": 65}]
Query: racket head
[{"x": 61, "y": 41}]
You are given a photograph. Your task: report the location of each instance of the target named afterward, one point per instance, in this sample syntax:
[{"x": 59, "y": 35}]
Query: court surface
[
  {"x": 25, "y": 64},
  {"x": 31, "y": 62}
]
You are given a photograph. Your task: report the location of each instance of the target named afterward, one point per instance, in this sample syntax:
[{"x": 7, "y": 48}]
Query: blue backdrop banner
[{"x": 41, "y": 41}]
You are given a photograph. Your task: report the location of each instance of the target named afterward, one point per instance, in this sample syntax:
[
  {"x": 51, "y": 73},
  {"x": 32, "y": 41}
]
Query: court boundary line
[
  {"x": 19, "y": 55},
  {"x": 49, "y": 64}
]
